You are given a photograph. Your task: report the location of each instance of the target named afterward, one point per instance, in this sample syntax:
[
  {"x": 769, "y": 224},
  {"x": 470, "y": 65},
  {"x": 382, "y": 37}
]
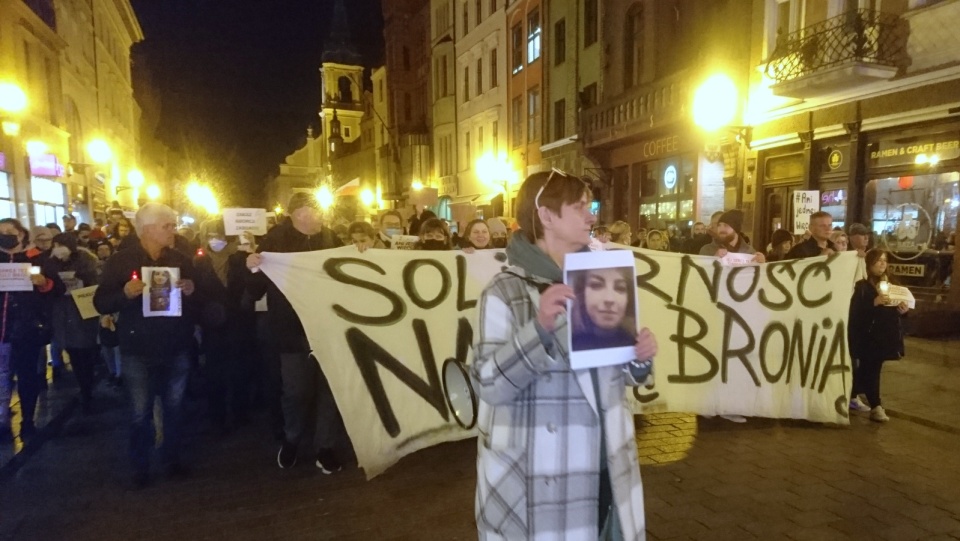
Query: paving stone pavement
[{"x": 703, "y": 479}]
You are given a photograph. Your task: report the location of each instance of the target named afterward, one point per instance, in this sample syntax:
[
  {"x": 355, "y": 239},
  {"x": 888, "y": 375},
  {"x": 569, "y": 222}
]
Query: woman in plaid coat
[{"x": 557, "y": 458}]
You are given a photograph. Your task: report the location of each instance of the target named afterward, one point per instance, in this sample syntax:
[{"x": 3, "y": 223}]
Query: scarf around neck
[{"x": 529, "y": 257}]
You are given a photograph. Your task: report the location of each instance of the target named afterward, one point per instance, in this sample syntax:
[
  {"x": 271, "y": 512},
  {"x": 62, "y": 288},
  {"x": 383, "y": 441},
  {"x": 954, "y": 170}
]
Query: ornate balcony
[
  {"x": 638, "y": 111},
  {"x": 846, "y": 51}
]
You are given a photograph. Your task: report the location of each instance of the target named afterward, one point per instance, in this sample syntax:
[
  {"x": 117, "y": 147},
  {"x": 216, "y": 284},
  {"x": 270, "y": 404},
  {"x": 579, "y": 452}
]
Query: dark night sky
[{"x": 239, "y": 79}]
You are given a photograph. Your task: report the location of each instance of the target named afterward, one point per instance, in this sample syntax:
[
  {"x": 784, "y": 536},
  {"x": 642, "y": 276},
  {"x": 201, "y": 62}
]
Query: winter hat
[
  {"x": 733, "y": 218},
  {"x": 212, "y": 227},
  {"x": 496, "y": 226},
  {"x": 66, "y": 239},
  {"x": 780, "y": 236}
]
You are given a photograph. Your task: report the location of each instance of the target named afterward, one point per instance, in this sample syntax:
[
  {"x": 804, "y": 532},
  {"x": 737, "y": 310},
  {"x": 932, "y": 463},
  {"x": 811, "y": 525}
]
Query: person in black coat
[
  {"x": 305, "y": 388},
  {"x": 875, "y": 332},
  {"x": 24, "y": 330}
]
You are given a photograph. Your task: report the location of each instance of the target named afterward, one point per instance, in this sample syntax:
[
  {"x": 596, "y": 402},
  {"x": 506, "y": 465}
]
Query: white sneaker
[
  {"x": 735, "y": 418},
  {"x": 858, "y": 405},
  {"x": 877, "y": 414}
]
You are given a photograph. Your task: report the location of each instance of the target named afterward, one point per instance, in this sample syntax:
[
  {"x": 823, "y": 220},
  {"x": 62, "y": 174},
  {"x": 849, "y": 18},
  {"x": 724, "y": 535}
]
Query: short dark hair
[
  {"x": 362, "y": 227},
  {"x": 820, "y": 214},
  {"x": 19, "y": 227},
  {"x": 559, "y": 189},
  {"x": 391, "y": 213},
  {"x": 435, "y": 224}
]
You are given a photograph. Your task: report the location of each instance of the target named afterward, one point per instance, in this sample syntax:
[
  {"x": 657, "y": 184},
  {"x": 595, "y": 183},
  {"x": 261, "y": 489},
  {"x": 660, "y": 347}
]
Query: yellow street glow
[
  {"x": 99, "y": 151},
  {"x": 135, "y": 178},
  {"x": 153, "y": 192},
  {"x": 36, "y": 148},
  {"x": 278, "y": 210},
  {"x": 202, "y": 196},
  {"x": 496, "y": 171},
  {"x": 12, "y": 98},
  {"x": 416, "y": 185},
  {"x": 715, "y": 103},
  {"x": 366, "y": 197},
  {"x": 324, "y": 197},
  {"x": 11, "y": 128}
]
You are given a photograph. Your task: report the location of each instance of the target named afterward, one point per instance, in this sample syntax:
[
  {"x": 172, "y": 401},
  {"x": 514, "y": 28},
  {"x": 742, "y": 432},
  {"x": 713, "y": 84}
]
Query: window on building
[
  {"x": 496, "y": 137},
  {"x": 533, "y": 36},
  {"x": 479, "y": 6},
  {"x": 346, "y": 132},
  {"x": 7, "y": 209},
  {"x": 380, "y": 89},
  {"x": 466, "y": 149},
  {"x": 480, "y": 141},
  {"x": 516, "y": 41},
  {"x": 406, "y": 58},
  {"x": 588, "y": 98},
  {"x": 443, "y": 76},
  {"x": 590, "y": 17},
  {"x": 633, "y": 47},
  {"x": 533, "y": 114},
  {"x": 466, "y": 19},
  {"x": 479, "y": 76},
  {"x": 559, "y": 42},
  {"x": 559, "y": 119},
  {"x": 493, "y": 69},
  {"x": 466, "y": 85},
  {"x": 407, "y": 106},
  {"x": 517, "y": 120},
  {"x": 493, "y": 6},
  {"x": 48, "y": 200}
]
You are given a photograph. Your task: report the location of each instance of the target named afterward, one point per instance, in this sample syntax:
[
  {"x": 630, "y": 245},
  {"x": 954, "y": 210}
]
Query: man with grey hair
[{"x": 154, "y": 352}]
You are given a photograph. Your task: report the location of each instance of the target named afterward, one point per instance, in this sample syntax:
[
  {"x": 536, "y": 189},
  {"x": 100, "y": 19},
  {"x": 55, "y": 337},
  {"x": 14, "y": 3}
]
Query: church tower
[{"x": 341, "y": 80}]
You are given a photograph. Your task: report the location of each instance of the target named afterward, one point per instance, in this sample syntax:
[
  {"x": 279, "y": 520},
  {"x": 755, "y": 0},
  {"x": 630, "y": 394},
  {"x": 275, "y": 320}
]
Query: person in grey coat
[
  {"x": 77, "y": 268},
  {"x": 557, "y": 457}
]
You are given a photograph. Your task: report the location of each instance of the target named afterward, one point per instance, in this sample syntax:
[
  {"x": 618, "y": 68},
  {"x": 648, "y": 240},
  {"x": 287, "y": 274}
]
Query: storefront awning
[
  {"x": 350, "y": 188},
  {"x": 463, "y": 199},
  {"x": 485, "y": 200}
]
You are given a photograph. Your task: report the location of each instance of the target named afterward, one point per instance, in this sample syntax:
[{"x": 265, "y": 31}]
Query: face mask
[
  {"x": 391, "y": 231},
  {"x": 433, "y": 244},
  {"x": 217, "y": 244},
  {"x": 499, "y": 243},
  {"x": 9, "y": 242},
  {"x": 60, "y": 252}
]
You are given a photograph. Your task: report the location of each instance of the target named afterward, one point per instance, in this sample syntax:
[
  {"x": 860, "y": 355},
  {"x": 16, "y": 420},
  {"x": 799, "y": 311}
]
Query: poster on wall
[{"x": 805, "y": 203}]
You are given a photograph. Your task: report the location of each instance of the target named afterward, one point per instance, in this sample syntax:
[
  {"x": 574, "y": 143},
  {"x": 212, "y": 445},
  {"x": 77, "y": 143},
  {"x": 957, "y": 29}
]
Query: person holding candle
[{"x": 875, "y": 332}]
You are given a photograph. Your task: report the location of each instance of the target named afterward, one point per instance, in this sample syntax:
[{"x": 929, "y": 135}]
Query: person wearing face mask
[
  {"x": 77, "y": 268},
  {"x": 498, "y": 233},
  {"x": 434, "y": 235},
  {"x": 41, "y": 238},
  {"x": 362, "y": 235},
  {"x": 24, "y": 330},
  {"x": 391, "y": 224},
  {"x": 476, "y": 236}
]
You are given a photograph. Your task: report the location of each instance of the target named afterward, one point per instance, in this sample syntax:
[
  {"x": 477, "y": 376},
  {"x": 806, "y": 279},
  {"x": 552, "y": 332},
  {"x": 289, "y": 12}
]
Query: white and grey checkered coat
[{"x": 538, "y": 463}]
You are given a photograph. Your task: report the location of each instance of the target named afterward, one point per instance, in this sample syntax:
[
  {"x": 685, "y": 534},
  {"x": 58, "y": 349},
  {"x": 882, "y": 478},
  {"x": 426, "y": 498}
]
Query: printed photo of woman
[
  {"x": 604, "y": 312},
  {"x": 160, "y": 289}
]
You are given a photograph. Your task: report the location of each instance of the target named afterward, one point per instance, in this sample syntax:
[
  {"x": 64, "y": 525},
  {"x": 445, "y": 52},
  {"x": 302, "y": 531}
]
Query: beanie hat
[
  {"x": 780, "y": 236},
  {"x": 496, "y": 225},
  {"x": 66, "y": 239},
  {"x": 733, "y": 218},
  {"x": 211, "y": 227}
]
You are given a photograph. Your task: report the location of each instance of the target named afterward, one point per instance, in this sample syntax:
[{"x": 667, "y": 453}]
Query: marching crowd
[{"x": 238, "y": 336}]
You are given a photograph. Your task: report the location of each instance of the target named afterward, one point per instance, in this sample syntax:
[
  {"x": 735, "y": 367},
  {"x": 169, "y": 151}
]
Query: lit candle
[
  {"x": 34, "y": 270},
  {"x": 884, "y": 286}
]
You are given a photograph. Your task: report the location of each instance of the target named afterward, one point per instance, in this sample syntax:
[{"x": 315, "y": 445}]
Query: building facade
[{"x": 525, "y": 86}]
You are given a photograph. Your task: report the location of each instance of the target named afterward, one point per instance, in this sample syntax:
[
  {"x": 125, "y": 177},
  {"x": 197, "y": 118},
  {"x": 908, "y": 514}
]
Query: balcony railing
[{"x": 857, "y": 36}]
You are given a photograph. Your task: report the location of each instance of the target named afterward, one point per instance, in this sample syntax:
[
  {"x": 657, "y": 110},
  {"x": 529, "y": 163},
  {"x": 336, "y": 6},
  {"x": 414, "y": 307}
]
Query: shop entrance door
[{"x": 777, "y": 211}]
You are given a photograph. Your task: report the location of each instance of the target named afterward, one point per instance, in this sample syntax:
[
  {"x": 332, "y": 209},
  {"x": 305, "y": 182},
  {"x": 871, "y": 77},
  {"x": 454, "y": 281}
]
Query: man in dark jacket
[
  {"x": 24, "y": 328},
  {"x": 702, "y": 235},
  {"x": 821, "y": 225},
  {"x": 155, "y": 351},
  {"x": 305, "y": 388}
]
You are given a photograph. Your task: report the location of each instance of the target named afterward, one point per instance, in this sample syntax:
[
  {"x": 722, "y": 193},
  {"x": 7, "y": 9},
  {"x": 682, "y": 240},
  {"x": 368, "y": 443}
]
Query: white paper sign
[
  {"x": 404, "y": 242},
  {"x": 83, "y": 297},
  {"x": 161, "y": 298},
  {"x": 236, "y": 221},
  {"x": 764, "y": 340},
  {"x": 900, "y": 294},
  {"x": 602, "y": 319},
  {"x": 15, "y": 277},
  {"x": 805, "y": 203},
  {"x": 736, "y": 259}
]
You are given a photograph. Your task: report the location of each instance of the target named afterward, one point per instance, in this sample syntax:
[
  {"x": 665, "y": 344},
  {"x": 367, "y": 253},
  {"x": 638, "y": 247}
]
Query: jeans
[
  {"x": 56, "y": 353},
  {"x": 83, "y": 361},
  {"x": 111, "y": 356},
  {"x": 20, "y": 360},
  {"x": 148, "y": 377},
  {"x": 306, "y": 393},
  {"x": 866, "y": 380}
]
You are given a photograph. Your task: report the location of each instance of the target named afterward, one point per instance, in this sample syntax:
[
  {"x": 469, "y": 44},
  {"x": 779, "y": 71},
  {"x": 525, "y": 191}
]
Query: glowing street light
[
  {"x": 278, "y": 210},
  {"x": 13, "y": 100},
  {"x": 135, "y": 178},
  {"x": 99, "y": 151},
  {"x": 416, "y": 185},
  {"x": 715, "y": 103},
  {"x": 324, "y": 197},
  {"x": 36, "y": 148},
  {"x": 153, "y": 192},
  {"x": 202, "y": 196},
  {"x": 366, "y": 197}
]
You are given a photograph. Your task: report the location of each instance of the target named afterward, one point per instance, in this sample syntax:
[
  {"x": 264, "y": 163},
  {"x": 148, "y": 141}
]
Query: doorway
[{"x": 777, "y": 211}]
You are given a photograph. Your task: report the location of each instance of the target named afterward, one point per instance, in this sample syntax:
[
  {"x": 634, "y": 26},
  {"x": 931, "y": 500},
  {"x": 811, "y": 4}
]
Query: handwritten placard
[
  {"x": 83, "y": 298},
  {"x": 805, "y": 203},
  {"x": 237, "y": 221},
  {"x": 15, "y": 277}
]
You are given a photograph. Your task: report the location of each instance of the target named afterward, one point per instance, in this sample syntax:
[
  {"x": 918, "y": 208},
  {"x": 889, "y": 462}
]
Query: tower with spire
[{"x": 341, "y": 80}]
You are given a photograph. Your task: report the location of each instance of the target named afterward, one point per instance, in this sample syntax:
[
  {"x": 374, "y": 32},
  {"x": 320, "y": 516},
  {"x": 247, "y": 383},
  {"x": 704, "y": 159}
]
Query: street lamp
[
  {"x": 13, "y": 101},
  {"x": 153, "y": 192},
  {"x": 99, "y": 151},
  {"x": 324, "y": 197},
  {"x": 203, "y": 197},
  {"x": 497, "y": 171},
  {"x": 36, "y": 148}
]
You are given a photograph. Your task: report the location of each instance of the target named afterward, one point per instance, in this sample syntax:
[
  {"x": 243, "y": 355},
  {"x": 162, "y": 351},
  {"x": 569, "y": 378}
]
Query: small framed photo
[
  {"x": 161, "y": 297},
  {"x": 603, "y": 317}
]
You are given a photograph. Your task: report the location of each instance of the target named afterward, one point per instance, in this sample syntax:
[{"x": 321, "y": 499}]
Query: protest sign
[
  {"x": 764, "y": 340},
  {"x": 805, "y": 203},
  {"x": 236, "y": 221},
  {"x": 15, "y": 277},
  {"x": 161, "y": 297},
  {"x": 83, "y": 298}
]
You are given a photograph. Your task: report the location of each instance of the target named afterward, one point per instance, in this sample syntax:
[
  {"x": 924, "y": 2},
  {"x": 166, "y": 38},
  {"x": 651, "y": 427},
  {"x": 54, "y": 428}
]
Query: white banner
[{"x": 756, "y": 340}]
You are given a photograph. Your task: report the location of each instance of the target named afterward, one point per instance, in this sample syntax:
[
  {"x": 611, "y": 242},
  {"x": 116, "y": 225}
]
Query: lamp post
[{"x": 716, "y": 104}]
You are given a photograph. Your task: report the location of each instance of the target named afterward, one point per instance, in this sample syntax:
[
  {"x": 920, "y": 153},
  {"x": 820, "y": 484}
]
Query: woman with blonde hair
[
  {"x": 620, "y": 232},
  {"x": 840, "y": 240}
]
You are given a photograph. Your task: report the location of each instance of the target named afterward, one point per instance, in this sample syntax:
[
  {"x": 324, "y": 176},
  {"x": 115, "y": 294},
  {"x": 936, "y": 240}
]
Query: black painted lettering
[
  {"x": 810, "y": 272},
  {"x": 730, "y": 318},
  {"x": 797, "y": 353},
  {"x": 772, "y": 329},
  {"x": 773, "y": 269},
  {"x": 409, "y": 284},
  {"x": 644, "y": 279},
  {"x": 462, "y": 303},
  {"x": 754, "y": 270},
  {"x": 334, "y": 268},
  {"x": 712, "y": 283},
  {"x": 692, "y": 342},
  {"x": 838, "y": 348}
]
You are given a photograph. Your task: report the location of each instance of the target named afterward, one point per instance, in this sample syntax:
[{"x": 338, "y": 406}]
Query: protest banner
[
  {"x": 764, "y": 340},
  {"x": 236, "y": 221}
]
